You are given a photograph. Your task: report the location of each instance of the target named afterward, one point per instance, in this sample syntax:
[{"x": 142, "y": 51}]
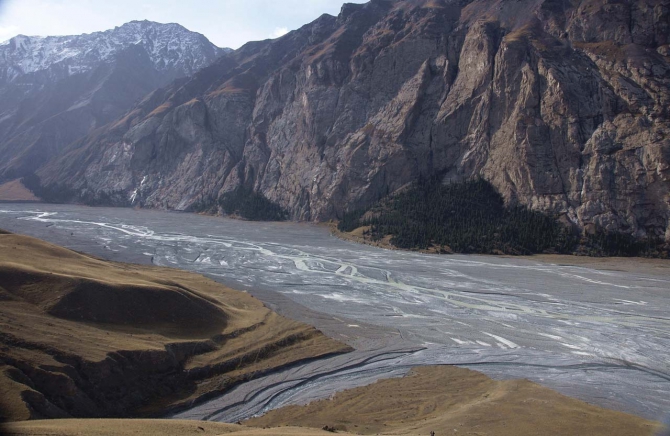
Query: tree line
[{"x": 471, "y": 217}]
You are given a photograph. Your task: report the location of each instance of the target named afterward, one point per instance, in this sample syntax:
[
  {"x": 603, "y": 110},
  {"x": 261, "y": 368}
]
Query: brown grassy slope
[
  {"x": 145, "y": 427},
  {"x": 359, "y": 235},
  {"x": 451, "y": 400},
  {"x": 444, "y": 399},
  {"x": 84, "y": 337},
  {"x": 15, "y": 191}
]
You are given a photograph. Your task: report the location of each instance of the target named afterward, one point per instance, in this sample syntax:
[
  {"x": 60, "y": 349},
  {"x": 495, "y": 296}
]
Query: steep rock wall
[{"x": 562, "y": 105}]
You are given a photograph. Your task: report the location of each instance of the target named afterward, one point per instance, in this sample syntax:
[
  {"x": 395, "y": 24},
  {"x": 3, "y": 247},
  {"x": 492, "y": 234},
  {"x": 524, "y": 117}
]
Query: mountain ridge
[
  {"x": 56, "y": 89},
  {"x": 161, "y": 37},
  {"x": 562, "y": 106}
]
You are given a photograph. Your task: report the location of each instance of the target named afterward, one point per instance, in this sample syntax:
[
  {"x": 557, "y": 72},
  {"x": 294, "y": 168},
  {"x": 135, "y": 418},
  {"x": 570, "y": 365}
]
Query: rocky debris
[{"x": 562, "y": 106}]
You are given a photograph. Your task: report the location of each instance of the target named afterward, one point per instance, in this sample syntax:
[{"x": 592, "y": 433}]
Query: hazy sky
[{"x": 227, "y": 23}]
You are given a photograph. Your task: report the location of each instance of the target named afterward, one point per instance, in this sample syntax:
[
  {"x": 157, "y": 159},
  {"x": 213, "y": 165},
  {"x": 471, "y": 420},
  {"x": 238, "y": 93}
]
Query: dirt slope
[{"x": 82, "y": 337}]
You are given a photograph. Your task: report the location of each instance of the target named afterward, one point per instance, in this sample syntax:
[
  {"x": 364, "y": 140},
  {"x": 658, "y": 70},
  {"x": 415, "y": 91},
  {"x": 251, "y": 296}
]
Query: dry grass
[
  {"x": 58, "y": 306},
  {"x": 433, "y": 4},
  {"x": 160, "y": 110},
  {"x": 444, "y": 399},
  {"x": 451, "y": 400},
  {"x": 15, "y": 191},
  {"x": 123, "y": 122},
  {"x": 148, "y": 427},
  {"x": 226, "y": 89}
]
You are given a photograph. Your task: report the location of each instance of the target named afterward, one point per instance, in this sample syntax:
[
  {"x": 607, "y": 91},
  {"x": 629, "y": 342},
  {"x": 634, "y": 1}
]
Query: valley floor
[{"x": 596, "y": 333}]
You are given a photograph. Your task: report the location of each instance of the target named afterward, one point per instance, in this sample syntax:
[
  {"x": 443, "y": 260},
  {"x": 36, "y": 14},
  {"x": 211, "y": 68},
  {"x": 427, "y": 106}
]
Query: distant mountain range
[
  {"x": 56, "y": 89},
  {"x": 563, "y": 106}
]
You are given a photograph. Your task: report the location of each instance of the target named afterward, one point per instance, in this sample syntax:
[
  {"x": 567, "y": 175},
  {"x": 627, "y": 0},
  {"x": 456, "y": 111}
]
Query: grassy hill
[{"x": 82, "y": 337}]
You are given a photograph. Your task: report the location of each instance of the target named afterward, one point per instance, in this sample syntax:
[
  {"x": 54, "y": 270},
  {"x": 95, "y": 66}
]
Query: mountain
[
  {"x": 562, "y": 105},
  {"x": 56, "y": 89}
]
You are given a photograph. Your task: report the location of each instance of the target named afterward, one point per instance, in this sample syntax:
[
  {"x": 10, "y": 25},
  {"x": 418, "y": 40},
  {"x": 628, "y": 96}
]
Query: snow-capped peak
[{"x": 169, "y": 46}]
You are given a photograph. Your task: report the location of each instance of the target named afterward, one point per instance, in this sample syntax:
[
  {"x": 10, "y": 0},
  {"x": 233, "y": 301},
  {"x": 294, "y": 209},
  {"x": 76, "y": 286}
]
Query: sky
[{"x": 227, "y": 23}]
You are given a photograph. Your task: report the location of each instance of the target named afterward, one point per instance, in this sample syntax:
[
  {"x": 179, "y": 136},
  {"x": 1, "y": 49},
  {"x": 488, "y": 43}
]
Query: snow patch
[{"x": 169, "y": 46}]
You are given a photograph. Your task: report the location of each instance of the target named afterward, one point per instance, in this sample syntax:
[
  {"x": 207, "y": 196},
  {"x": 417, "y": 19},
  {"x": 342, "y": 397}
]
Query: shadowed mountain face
[
  {"x": 55, "y": 90},
  {"x": 562, "y": 105}
]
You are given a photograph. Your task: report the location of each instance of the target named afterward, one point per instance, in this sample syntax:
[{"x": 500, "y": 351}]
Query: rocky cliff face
[
  {"x": 562, "y": 104},
  {"x": 56, "y": 89}
]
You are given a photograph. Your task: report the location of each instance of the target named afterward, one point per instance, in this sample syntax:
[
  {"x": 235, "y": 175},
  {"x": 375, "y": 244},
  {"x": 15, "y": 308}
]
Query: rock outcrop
[
  {"x": 55, "y": 90},
  {"x": 562, "y": 105}
]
